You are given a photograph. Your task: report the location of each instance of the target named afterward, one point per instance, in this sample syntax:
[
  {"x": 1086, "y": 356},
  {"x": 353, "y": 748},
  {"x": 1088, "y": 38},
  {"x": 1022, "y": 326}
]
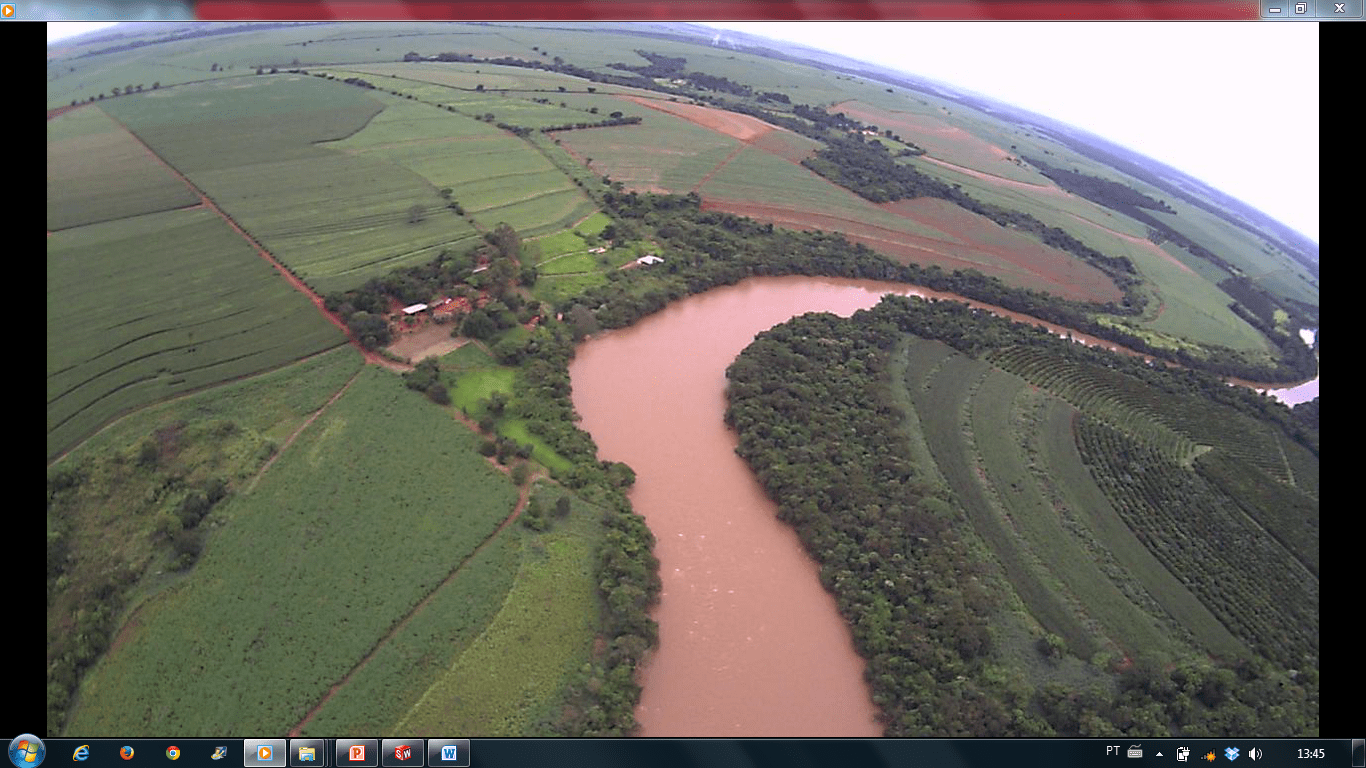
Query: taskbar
[{"x": 30, "y": 752}]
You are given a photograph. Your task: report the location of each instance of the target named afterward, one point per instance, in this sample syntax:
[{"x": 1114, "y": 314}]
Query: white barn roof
[{"x": 414, "y": 309}]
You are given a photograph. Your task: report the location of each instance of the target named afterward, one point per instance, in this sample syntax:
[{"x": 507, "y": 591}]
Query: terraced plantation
[
  {"x": 168, "y": 303},
  {"x": 315, "y": 465}
]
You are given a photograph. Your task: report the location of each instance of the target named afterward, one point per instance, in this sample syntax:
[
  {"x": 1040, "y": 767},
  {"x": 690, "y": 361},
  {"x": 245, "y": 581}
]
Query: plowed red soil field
[{"x": 974, "y": 243}]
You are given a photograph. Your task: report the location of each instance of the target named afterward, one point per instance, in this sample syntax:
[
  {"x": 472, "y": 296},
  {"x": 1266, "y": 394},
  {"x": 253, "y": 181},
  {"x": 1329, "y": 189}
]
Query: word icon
[{"x": 448, "y": 752}]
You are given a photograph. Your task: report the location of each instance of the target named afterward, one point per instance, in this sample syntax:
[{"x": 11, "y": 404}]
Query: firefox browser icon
[{"x": 126, "y": 753}]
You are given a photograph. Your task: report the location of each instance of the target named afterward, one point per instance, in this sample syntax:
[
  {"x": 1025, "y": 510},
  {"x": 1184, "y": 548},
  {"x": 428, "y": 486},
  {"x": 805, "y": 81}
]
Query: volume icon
[{"x": 1254, "y": 754}]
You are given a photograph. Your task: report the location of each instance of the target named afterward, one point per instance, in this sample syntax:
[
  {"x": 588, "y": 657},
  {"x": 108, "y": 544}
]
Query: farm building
[
  {"x": 597, "y": 250},
  {"x": 648, "y": 260},
  {"x": 414, "y": 309}
]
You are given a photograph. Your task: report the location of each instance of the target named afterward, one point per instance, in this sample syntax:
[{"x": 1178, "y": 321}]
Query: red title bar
[{"x": 704, "y": 10}]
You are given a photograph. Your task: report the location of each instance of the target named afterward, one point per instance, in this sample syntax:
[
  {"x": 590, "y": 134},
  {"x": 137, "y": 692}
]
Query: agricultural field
[
  {"x": 1074, "y": 528},
  {"x": 543, "y": 629},
  {"x": 331, "y": 232},
  {"x": 96, "y": 171},
  {"x": 118, "y": 502},
  {"x": 308, "y": 551},
  {"x": 400, "y": 671},
  {"x": 1037, "y": 523},
  {"x": 940, "y": 402},
  {"x": 170, "y": 302}
]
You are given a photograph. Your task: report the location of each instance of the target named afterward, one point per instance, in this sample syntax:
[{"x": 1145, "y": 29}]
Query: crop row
[
  {"x": 1118, "y": 400},
  {"x": 940, "y": 405},
  {"x": 133, "y": 318},
  {"x": 996, "y": 439},
  {"x": 1145, "y": 411},
  {"x": 1243, "y": 575}
]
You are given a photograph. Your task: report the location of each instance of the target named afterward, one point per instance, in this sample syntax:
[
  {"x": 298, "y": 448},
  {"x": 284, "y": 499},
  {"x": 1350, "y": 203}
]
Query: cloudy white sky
[{"x": 1234, "y": 104}]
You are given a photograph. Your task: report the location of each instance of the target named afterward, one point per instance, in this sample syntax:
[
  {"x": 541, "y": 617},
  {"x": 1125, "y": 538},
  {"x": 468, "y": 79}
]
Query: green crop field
[
  {"x": 312, "y": 568},
  {"x": 421, "y": 652},
  {"x": 940, "y": 405},
  {"x": 550, "y": 246},
  {"x": 1204, "y": 538},
  {"x": 168, "y": 303},
  {"x": 665, "y": 152},
  {"x": 296, "y": 197},
  {"x": 997, "y": 430},
  {"x": 1057, "y": 450},
  {"x": 96, "y": 171},
  {"x": 757, "y": 176},
  {"x": 544, "y": 630}
]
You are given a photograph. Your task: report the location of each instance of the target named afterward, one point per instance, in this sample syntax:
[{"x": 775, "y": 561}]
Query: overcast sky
[{"x": 1234, "y": 104}]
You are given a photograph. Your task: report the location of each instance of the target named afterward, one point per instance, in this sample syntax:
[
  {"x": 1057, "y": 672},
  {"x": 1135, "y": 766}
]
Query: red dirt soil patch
[
  {"x": 929, "y": 132},
  {"x": 51, "y": 113},
  {"x": 976, "y": 243},
  {"x": 732, "y": 124}
]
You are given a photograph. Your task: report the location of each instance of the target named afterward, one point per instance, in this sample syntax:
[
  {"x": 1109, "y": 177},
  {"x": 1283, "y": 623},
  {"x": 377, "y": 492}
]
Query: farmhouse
[
  {"x": 414, "y": 309},
  {"x": 597, "y": 250},
  {"x": 648, "y": 260}
]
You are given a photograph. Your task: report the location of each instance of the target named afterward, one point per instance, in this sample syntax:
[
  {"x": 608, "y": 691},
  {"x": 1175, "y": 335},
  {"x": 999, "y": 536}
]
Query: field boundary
[
  {"x": 517, "y": 508},
  {"x": 299, "y": 285},
  {"x": 290, "y": 440}
]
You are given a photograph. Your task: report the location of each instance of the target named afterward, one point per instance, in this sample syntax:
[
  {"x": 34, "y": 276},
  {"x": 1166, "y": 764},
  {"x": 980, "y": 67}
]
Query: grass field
[
  {"x": 145, "y": 308},
  {"x": 96, "y": 171},
  {"x": 544, "y": 631},
  {"x": 310, "y": 570},
  {"x": 470, "y": 388}
]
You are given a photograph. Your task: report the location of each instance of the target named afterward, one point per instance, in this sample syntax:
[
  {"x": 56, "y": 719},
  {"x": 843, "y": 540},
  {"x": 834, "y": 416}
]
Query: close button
[{"x": 1339, "y": 9}]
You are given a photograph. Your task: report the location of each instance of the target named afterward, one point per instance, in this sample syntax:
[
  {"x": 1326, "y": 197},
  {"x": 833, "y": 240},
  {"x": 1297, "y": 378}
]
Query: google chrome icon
[
  {"x": 26, "y": 751},
  {"x": 173, "y": 752}
]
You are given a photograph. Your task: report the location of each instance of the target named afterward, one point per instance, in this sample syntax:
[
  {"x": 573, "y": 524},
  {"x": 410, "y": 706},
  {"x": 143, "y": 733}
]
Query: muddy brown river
[{"x": 750, "y": 643}]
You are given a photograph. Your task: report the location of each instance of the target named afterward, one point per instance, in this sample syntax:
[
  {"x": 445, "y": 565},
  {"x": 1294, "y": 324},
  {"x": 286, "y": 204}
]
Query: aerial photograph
[{"x": 665, "y": 379}]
